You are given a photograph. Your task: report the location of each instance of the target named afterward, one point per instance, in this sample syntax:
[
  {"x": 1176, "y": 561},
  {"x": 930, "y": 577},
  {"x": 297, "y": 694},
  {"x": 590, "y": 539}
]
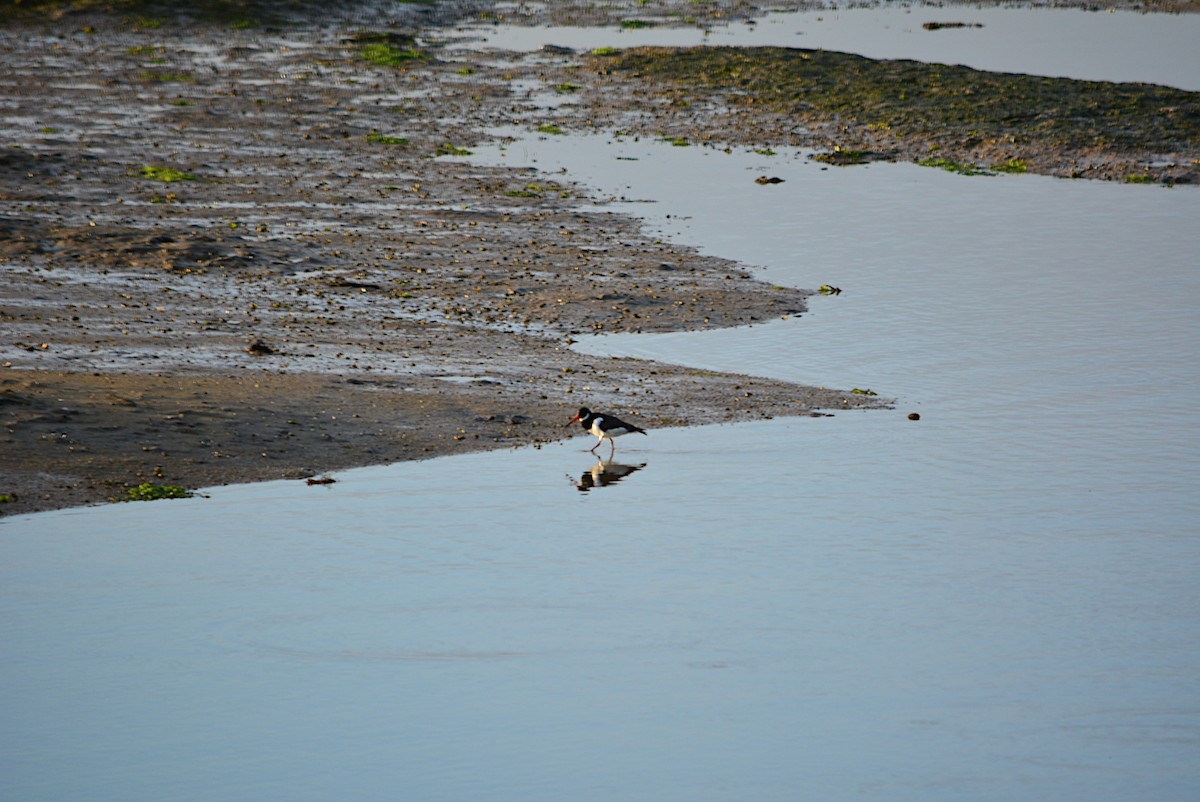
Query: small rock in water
[{"x": 937, "y": 26}]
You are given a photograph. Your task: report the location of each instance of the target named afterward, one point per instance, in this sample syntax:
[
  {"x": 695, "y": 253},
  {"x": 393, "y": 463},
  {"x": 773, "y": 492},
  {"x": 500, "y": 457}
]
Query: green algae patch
[
  {"x": 929, "y": 106},
  {"x": 386, "y": 139},
  {"x": 844, "y": 157},
  {"x": 387, "y": 49},
  {"x": 149, "y": 492},
  {"x": 386, "y": 55},
  {"x": 450, "y": 149},
  {"x": 167, "y": 174},
  {"x": 1015, "y": 166},
  {"x": 951, "y": 166},
  {"x": 528, "y": 191}
]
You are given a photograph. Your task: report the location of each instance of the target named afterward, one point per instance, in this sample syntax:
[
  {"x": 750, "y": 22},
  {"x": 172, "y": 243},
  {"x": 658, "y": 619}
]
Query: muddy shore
[
  {"x": 237, "y": 253},
  {"x": 310, "y": 294}
]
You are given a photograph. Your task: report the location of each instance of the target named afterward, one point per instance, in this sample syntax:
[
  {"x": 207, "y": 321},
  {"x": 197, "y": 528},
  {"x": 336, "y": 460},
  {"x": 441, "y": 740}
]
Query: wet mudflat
[
  {"x": 196, "y": 214},
  {"x": 885, "y": 108}
]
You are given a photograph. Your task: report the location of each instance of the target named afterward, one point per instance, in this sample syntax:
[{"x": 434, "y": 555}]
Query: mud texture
[{"x": 856, "y": 109}]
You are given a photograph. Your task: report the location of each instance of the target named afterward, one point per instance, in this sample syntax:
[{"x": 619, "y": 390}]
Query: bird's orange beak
[{"x": 572, "y": 420}]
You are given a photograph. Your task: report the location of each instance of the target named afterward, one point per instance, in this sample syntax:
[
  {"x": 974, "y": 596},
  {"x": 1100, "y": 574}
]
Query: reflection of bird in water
[
  {"x": 603, "y": 474},
  {"x": 605, "y": 427}
]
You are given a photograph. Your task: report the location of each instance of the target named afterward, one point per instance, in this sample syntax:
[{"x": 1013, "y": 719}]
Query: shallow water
[
  {"x": 996, "y": 602},
  {"x": 722, "y": 623},
  {"x": 1071, "y": 43},
  {"x": 1028, "y": 295}
]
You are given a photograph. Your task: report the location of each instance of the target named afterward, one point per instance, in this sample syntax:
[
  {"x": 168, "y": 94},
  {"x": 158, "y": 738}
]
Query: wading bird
[{"x": 604, "y": 426}]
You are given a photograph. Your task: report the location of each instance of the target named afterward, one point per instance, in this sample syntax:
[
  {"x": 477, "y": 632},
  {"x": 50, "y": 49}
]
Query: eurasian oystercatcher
[{"x": 604, "y": 426}]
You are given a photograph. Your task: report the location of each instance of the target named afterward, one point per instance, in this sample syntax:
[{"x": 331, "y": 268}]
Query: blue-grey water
[
  {"x": 1061, "y": 42},
  {"x": 997, "y": 602}
]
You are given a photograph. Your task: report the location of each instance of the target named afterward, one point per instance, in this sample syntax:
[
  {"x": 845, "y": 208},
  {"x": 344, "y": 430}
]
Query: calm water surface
[
  {"x": 998, "y": 602},
  {"x": 1071, "y": 43},
  {"x": 797, "y": 609}
]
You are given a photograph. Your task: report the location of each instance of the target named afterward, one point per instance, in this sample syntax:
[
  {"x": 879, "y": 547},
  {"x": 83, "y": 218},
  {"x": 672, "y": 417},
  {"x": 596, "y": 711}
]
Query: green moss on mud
[
  {"x": 843, "y": 157},
  {"x": 951, "y": 166},
  {"x": 1012, "y": 166},
  {"x": 167, "y": 174},
  {"x": 152, "y": 492},
  {"x": 386, "y": 55},
  {"x": 386, "y": 139}
]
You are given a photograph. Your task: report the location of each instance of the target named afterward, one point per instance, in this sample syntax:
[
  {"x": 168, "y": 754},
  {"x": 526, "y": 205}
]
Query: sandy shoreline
[{"x": 320, "y": 289}]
